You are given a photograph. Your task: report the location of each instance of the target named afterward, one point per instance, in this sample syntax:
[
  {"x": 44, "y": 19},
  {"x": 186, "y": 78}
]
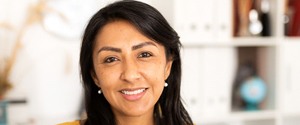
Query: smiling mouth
[{"x": 133, "y": 92}]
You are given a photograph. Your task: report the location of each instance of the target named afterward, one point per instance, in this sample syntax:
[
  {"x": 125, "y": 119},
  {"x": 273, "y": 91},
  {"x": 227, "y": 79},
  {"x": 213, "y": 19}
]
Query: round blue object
[{"x": 253, "y": 91}]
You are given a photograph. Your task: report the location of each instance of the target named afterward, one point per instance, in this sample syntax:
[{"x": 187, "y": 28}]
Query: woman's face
[{"x": 129, "y": 68}]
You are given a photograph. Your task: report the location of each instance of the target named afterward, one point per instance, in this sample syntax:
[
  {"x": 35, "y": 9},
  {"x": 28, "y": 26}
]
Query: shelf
[
  {"x": 297, "y": 115},
  {"x": 254, "y": 115},
  {"x": 292, "y": 39},
  {"x": 208, "y": 41},
  {"x": 240, "y": 116},
  {"x": 237, "y": 42}
]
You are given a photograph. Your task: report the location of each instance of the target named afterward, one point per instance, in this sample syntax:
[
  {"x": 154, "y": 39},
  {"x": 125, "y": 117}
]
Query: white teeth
[{"x": 133, "y": 92}]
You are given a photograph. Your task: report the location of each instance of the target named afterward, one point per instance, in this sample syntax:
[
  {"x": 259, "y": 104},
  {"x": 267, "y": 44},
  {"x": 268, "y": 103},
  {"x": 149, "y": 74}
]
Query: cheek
[
  {"x": 155, "y": 71},
  {"x": 106, "y": 77}
]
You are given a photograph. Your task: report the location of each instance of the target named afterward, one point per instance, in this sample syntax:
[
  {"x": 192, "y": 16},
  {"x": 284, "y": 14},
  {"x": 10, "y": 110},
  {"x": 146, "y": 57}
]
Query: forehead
[{"x": 117, "y": 32}]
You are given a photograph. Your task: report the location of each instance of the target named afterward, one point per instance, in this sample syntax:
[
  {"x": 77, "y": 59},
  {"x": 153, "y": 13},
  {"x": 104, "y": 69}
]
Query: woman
[{"x": 131, "y": 68}]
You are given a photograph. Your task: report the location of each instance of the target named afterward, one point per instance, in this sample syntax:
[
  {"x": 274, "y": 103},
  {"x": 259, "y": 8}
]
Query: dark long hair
[{"x": 169, "y": 109}]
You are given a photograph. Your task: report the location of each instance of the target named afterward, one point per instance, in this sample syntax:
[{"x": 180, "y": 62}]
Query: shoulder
[{"x": 70, "y": 123}]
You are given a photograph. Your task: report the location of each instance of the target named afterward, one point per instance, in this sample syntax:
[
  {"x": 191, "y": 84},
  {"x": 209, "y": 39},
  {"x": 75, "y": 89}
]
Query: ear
[
  {"x": 94, "y": 77},
  {"x": 168, "y": 68}
]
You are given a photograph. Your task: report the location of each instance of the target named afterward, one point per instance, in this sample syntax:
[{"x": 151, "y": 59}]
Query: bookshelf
[
  {"x": 210, "y": 58},
  {"x": 212, "y": 55}
]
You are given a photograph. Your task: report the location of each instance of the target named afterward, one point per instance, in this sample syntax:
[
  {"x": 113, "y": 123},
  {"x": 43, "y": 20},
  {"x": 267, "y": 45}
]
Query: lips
[{"x": 133, "y": 94}]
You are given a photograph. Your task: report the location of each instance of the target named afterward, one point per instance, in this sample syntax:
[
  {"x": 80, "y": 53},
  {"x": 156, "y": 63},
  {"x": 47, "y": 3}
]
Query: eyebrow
[
  {"x": 107, "y": 48},
  {"x": 118, "y": 50},
  {"x": 141, "y": 45}
]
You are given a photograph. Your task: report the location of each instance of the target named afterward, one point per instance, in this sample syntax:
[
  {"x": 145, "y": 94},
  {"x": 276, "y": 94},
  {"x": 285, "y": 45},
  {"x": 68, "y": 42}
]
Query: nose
[{"x": 130, "y": 71}]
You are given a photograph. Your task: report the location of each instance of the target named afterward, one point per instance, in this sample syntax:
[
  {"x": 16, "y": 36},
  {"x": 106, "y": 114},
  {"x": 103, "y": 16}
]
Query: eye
[
  {"x": 110, "y": 59},
  {"x": 145, "y": 55}
]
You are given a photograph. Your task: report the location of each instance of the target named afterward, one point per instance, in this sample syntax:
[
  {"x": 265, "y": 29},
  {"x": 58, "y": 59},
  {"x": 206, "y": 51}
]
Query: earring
[
  {"x": 99, "y": 91},
  {"x": 166, "y": 84}
]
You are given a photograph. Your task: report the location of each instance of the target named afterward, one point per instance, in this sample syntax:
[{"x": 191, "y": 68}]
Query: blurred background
[{"x": 241, "y": 61}]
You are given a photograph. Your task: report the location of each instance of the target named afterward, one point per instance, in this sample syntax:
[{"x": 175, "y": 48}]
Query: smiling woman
[
  {"x": 131, "y": 68},
  {"x": 125, "y": 72}
]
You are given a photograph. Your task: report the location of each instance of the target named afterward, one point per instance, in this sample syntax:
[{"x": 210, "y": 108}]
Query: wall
[{"x": 46, "y": 71}]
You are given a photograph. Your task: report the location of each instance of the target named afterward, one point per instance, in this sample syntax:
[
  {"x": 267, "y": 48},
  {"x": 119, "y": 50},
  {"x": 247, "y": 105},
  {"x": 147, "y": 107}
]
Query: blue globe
[{"x": 253, "y": 91}]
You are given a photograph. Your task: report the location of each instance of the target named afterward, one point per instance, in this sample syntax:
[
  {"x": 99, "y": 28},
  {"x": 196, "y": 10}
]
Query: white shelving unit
[{"x": 211, "y": 56}]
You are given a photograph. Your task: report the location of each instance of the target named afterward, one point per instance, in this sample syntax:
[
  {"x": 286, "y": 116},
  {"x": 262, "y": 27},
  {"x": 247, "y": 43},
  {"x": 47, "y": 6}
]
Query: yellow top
[{"x": 70, "y": 123}]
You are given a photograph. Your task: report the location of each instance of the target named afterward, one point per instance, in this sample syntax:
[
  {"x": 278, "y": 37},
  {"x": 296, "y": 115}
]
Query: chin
[{"x": 136, "y": 112}]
